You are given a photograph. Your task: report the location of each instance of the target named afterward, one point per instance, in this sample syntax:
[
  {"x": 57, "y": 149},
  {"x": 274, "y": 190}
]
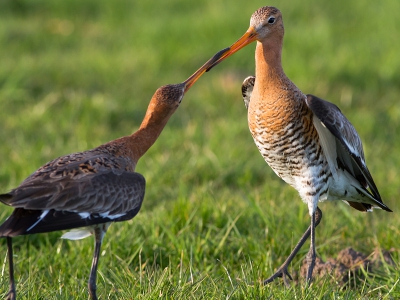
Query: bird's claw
[
  {"x": 281, "y": 272},
  {"x": 11, "y": 295},
  {"x": 285, "y": 275}
]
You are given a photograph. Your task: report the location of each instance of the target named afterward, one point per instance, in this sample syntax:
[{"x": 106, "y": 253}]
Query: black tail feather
[{"x": 22, "y": 220}]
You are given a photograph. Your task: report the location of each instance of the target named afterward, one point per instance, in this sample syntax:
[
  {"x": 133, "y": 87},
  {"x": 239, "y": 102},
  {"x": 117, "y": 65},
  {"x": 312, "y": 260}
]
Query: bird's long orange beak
[
  {"x": 192, "y": 79},
  {"x": 249, "y": 37}
]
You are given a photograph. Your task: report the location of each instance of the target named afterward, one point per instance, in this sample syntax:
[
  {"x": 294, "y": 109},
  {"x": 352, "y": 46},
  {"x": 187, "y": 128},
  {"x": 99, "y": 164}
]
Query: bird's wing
[
  {"x": 247, "y": 89},
  {"x": 64, "y": 205},
  {"x": 80, "y": 182},
  {"x": 79, "y": 189},
  {"x": 342, "y": 145},
  {"x": 104, "y": 193}
]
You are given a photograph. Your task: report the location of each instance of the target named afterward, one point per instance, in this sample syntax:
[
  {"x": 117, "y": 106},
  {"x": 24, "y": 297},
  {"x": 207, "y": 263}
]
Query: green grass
[{"x": 75, "y": 74}]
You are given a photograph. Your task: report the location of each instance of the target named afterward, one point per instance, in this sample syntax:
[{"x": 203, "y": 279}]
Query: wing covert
[
  {"x": 247, "y": 89},
  {"x": 104, "y": 193}
]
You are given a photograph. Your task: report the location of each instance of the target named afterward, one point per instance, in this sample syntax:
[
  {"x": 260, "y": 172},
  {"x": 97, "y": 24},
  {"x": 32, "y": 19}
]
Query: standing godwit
[
  {"x": 90, "y": 190},
  {"x": 307, "y": 141}
]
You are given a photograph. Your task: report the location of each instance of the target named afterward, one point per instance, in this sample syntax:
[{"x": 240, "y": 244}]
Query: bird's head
[{"x": 265, "y": 24}]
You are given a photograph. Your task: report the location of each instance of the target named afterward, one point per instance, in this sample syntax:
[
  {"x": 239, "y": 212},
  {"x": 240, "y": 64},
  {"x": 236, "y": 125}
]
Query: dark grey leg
[
  {"x": 98, "y": 235},
  {"x": 12, "y": 294},
  {"x": 283, "y": 269},
  {"x": 311, "y": 253}
]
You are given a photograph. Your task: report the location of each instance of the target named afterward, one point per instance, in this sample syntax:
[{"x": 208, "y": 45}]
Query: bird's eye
[{"x": 271, "y": 20}]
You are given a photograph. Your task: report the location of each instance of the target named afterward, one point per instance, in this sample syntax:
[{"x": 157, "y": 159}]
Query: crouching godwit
[
  {"x": 90, "y": 190},
  {"x": 307, "y": 141}
]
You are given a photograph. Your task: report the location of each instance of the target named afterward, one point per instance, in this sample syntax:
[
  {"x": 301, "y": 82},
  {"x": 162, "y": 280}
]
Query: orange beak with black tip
[
  {"x": 208, "y": 65},
  {"x": 249, "y": 37}
]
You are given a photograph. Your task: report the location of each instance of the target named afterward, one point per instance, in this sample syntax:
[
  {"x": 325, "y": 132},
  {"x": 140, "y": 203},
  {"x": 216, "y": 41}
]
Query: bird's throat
[{"x": 269, "y": 69}]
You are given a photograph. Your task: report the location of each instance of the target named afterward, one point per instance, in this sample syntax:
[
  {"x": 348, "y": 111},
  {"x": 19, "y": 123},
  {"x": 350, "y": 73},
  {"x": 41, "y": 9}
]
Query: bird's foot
[
  {"x": 281, "y": 272},
  {"x": 93, "y": 295},
  {"x": 11, "y": 295},
  {"x": 311, "y": 256},
  {"x": 92, "y": 291}
]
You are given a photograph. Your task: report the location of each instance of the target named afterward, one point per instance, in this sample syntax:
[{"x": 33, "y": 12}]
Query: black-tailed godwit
[
  {"x": 307, "y": 141},
  {"x": 90, "y": 190}
]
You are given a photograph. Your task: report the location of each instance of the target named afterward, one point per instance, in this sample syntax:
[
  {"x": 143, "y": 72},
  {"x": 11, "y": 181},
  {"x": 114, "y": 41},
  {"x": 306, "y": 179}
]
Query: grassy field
[{"x": 75, "y": 74}]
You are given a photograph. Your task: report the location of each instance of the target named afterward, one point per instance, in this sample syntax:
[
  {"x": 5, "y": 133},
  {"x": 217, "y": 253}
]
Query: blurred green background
[{"x": 76, "y": 74}]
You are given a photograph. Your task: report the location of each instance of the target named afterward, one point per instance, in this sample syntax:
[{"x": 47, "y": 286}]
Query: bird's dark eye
[{"x": 271, "y": 20}]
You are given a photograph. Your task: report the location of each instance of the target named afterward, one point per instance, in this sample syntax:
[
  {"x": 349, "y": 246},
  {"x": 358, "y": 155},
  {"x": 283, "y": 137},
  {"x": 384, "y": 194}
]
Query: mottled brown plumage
[
  {"x": 307, "y": 141},
  {"x": 91, "y": 189}
]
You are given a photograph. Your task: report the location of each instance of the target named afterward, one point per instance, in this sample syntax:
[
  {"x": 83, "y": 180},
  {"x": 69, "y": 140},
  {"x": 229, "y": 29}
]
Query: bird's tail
[
  {"x": 17, "y": 223},
  {"x": 5, "y": 198}
]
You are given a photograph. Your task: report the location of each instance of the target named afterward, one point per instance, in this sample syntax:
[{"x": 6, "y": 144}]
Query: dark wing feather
[
  {"x": 247, "y": 89},
  {"x": 348, "y": 144},
  {"x": 96, "y": 193},
  {"x": 105, "y": 198},
  {"x": 21, "y": 221}
]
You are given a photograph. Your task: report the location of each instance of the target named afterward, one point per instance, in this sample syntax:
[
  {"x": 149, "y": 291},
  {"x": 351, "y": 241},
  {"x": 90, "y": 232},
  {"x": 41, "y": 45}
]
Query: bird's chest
[{"x": 286, "y": 137}]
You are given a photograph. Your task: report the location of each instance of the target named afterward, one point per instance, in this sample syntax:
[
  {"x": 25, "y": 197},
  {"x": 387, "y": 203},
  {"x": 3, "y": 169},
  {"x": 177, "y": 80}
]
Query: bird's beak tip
[
  {"x": 205, "y": 68},
  {"x": 247, "y": 38},
  {"x": 217, "y": 58}
]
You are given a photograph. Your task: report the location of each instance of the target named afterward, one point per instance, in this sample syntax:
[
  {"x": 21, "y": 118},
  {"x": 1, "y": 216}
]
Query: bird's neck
[
  {"x": 150, "y": 129},
  {"x": 269, "y": 71}
]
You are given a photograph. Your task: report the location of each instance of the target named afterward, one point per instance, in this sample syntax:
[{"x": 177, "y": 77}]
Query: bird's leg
[
  {"x": 283, "y": 269},
  {"x": 98, "y": 235},
  {"x": 12, "y": 294},
  {"x": 311, "y": 253}
]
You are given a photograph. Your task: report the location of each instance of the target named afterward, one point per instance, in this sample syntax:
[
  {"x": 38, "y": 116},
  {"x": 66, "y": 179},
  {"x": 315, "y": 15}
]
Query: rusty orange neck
[
  {"x": 269, "y": 71},
  {"x": 272, "y": 86},
  {"x": 137, "y": 144}
]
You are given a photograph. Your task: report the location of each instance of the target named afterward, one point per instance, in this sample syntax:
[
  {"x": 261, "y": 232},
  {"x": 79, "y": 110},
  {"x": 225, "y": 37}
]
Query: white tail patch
[{"x": 78, "y": 233}]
